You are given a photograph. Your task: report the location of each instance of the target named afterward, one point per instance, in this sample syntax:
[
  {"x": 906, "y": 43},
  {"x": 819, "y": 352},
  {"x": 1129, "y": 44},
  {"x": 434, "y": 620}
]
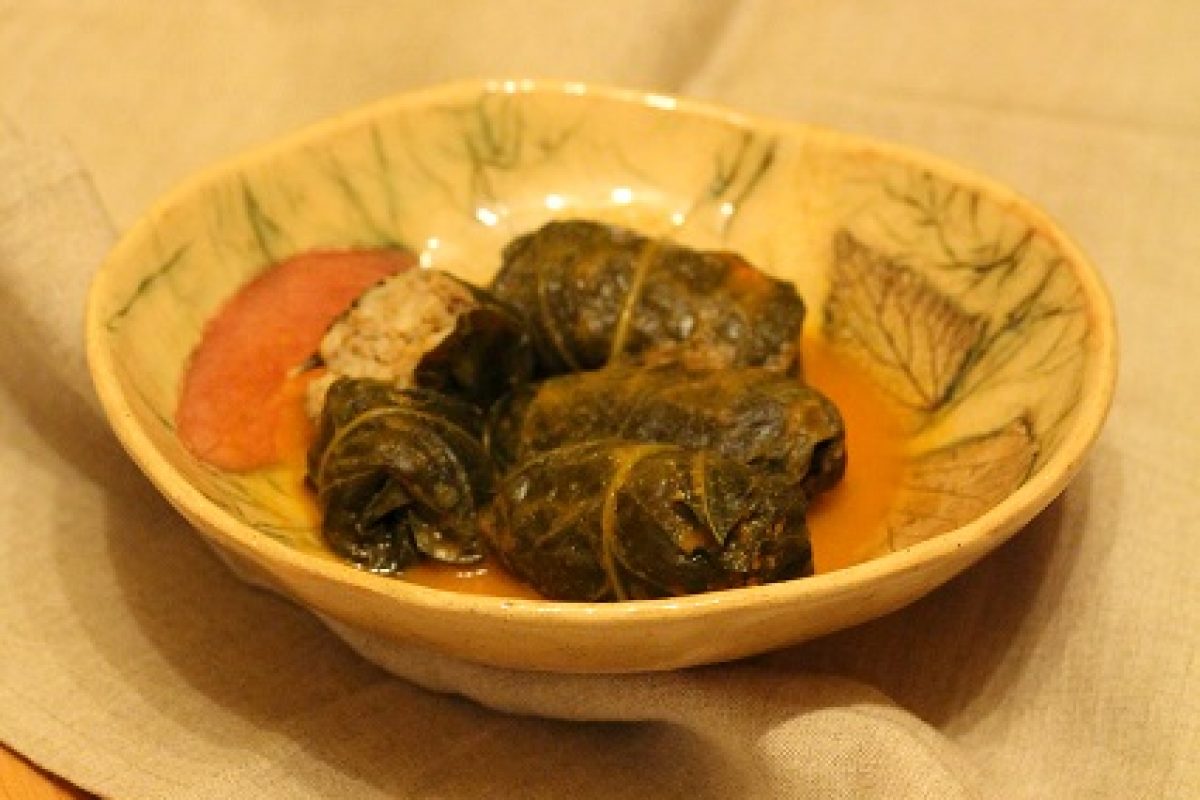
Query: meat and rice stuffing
[{"x": 425, "y": 328}]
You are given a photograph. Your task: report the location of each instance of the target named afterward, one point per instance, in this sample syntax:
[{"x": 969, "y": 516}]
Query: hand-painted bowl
[{"x": 965, "y": 305}]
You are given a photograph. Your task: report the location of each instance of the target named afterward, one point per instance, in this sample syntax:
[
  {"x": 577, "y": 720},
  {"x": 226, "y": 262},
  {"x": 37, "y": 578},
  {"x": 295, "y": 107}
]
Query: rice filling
[{"x": 389, "y": 329}]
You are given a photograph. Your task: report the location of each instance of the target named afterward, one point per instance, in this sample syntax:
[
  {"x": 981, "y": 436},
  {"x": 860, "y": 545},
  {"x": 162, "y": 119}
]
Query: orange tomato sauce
[{"x": 847, "y": 523}]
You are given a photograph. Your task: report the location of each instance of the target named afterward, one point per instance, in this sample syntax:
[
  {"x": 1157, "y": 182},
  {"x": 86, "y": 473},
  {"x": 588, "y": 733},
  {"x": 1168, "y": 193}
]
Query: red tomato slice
[{"x": 234, "y": 388}]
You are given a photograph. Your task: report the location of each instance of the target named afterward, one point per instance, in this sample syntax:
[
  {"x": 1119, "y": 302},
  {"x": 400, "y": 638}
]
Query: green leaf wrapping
[
  {"x": 757, "y": 417},
  {"x": 593, "y": 294},
  {"x": 399, "y": 475},
  {"x": 488, "y": 353},
  {"x": 616, "y": 520}
]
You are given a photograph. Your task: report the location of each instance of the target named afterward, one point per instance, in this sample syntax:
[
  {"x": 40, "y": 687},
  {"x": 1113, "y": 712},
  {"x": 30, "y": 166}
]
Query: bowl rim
[{"x": 977, "y": 537}]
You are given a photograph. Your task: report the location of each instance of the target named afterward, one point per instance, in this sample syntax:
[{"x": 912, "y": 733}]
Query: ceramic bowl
[{"x": 966, "y": 305}]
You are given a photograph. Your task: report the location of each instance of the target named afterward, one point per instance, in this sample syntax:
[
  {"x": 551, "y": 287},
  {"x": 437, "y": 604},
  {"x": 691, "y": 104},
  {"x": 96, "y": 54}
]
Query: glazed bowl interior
[{"x": 983, "y": 325}]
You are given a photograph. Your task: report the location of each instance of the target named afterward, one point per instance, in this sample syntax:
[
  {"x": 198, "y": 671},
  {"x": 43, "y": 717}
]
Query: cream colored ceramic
[{"x": 971, "y": 309}]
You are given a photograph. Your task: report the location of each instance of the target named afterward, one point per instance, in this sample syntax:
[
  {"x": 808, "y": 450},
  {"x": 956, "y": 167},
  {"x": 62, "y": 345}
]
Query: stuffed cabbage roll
[
  {"x": 400, "y": 475},
  {"x": 426, "y": 328},
  {"x": 754, "y": 416},
  {"x": 594, "y": 294},
  {"x": 618, "y": 520}
]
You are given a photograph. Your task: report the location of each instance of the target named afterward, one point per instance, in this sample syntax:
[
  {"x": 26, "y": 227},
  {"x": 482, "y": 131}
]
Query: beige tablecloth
[{"x": 1062, "y": 666}]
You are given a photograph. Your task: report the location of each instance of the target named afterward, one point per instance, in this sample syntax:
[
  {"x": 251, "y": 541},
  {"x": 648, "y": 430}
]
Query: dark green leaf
[
  {"x": 617, "y": 520},
  {"x": 399, "y": 474},
  {"x": 594, "y": 294},
  {"x": 757, "y": 417},
  {"x": 487, "y": 354}
]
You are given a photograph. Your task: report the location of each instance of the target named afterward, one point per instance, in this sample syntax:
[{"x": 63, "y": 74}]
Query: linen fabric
[{"x": 1064, "y": 665}]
